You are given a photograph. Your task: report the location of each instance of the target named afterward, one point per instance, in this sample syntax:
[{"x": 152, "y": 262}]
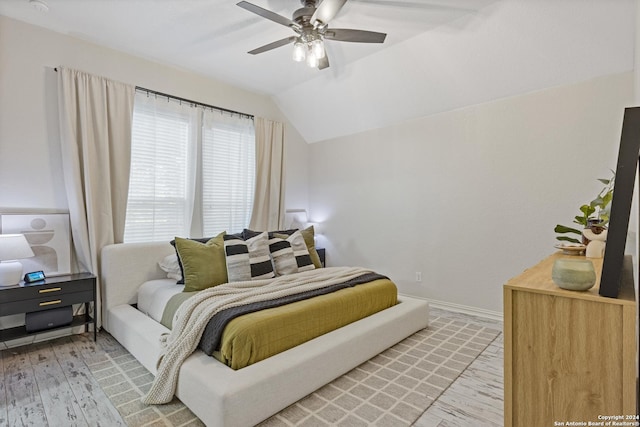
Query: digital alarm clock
[{"x": 34, "y": 276}]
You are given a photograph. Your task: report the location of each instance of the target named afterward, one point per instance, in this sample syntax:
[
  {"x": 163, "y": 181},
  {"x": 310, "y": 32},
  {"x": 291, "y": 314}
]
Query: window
[
  {"x": 192, "y": 171},
  {"x": 228, "y": 174}
]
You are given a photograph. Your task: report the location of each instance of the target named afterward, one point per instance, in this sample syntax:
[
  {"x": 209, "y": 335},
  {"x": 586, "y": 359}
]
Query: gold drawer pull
[
  {"x": 44, "y": 291},
  {"x": 58, "y": 301}
]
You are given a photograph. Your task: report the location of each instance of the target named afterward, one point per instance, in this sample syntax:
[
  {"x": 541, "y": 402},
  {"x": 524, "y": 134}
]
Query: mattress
[
  {"x": 154, "y": 295},
  {"x": 256, "y": 336}
]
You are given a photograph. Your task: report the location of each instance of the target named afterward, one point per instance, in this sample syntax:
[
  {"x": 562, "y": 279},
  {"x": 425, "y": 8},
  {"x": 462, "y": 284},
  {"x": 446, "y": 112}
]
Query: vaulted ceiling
[{"x": 439, "y": 54}]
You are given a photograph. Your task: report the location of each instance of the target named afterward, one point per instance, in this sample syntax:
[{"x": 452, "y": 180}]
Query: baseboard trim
[{"x": 465, "y": 309}]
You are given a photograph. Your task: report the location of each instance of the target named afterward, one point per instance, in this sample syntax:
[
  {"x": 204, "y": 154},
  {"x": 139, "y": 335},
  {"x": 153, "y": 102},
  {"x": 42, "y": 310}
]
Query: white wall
[
  {"x": 30, "y": 164},
  {"x": 469, "y": 198}
]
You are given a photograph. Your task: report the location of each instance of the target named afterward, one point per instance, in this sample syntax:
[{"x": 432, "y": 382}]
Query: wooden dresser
[{"x": 568, "y": 356}]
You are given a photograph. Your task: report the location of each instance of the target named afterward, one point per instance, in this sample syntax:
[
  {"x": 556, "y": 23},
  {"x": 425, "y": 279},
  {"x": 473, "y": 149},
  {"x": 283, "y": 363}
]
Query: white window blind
[
  {"x": 228, "y": 173},
  {"x": 176, "y": 149}
]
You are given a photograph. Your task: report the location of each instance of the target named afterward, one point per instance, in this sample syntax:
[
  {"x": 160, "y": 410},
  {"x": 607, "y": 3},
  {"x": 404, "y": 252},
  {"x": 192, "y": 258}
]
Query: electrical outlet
[{"x": 418, "y": 276}]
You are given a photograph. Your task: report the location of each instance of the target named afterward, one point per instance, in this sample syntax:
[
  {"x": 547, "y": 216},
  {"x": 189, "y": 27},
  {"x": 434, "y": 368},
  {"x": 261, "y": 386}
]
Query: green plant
[{"x": 600, "y": 206}]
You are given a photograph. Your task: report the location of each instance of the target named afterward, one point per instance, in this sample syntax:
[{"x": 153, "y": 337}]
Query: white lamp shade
[
  {"x": 14, "y": 246},
  {"x": 295, "y": 218},
  {"x": 10, "y": 273}
]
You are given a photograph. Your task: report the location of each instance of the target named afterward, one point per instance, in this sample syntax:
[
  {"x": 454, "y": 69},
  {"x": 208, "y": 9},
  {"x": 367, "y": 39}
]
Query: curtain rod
[{"x": 200, "y": 104}]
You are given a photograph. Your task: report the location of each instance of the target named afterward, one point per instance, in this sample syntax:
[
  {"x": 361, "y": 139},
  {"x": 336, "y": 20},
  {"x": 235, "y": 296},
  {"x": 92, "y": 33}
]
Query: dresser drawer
[
  {"x": 45, "y": 302},
  {"x": 46, "y": 290}
]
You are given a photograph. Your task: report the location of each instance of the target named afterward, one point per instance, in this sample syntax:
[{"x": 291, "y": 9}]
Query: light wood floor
[
  {"x": 49, "y": 384},
  {"x": 476, "y": 398}
]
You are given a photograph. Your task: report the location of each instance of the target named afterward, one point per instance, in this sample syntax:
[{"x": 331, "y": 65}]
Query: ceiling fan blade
[
  {"x": 357, "y": 36},
  {"x": 273, "y": 45},
  {"x": 324, "y": 62},
  {"x": 272, "y": 16},
  {"x": 326, "y": 11}
]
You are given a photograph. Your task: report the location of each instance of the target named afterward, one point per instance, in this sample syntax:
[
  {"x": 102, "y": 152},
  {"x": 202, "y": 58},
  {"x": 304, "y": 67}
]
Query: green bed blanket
[{"x": 256, "y": 336}]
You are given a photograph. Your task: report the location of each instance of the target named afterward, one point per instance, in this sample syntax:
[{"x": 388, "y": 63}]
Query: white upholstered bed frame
[{"x": 217, "y": 394}]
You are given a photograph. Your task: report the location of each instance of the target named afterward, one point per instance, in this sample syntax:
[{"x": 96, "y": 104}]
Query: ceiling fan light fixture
[
  {"x": 317, "y": 46},
  {"x": 312, "y": 60},
  {"x": 299, "y": 51}
]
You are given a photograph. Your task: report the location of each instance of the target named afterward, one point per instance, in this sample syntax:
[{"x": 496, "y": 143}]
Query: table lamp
[{"x": 12, "y": 248}]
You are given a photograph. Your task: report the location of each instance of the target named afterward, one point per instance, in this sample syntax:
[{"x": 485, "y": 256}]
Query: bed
[{"x": 218, "y": 394}]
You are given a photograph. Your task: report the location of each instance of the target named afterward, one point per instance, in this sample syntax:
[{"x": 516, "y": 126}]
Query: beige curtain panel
[
  {"x": 95, "y": 132},
  {"x": 268, "y": 203}
]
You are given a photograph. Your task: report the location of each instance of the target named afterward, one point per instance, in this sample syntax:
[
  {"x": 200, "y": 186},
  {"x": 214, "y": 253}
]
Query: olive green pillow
[
  {"x": 203, "y": 263},
  {"x": 310, "y": 241}
]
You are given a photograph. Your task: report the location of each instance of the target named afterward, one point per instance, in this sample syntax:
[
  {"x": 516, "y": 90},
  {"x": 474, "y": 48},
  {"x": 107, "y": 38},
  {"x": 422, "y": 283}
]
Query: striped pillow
[
  {"x": 248, "y": 259},
  {"x": 300, "y": 250},
  {"x": 283, "y": 257}
]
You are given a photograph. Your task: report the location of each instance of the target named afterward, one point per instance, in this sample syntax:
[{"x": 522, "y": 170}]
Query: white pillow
[{"x": 171, "y": 266}]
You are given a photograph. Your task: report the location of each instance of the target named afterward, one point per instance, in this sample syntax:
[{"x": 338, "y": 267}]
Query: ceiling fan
[{"x": 311, "y": 26}]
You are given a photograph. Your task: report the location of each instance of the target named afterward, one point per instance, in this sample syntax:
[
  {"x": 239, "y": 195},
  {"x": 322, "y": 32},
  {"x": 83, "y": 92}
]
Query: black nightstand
[{"x": 53, "y": 292}]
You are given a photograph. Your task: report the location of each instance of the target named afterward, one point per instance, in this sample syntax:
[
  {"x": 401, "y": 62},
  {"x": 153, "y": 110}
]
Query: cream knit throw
[{"x": 194, "y": 314}]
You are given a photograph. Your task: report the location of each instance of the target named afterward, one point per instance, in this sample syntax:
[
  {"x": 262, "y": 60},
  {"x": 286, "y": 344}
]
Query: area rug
[{"x": 392, "y": 389}]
